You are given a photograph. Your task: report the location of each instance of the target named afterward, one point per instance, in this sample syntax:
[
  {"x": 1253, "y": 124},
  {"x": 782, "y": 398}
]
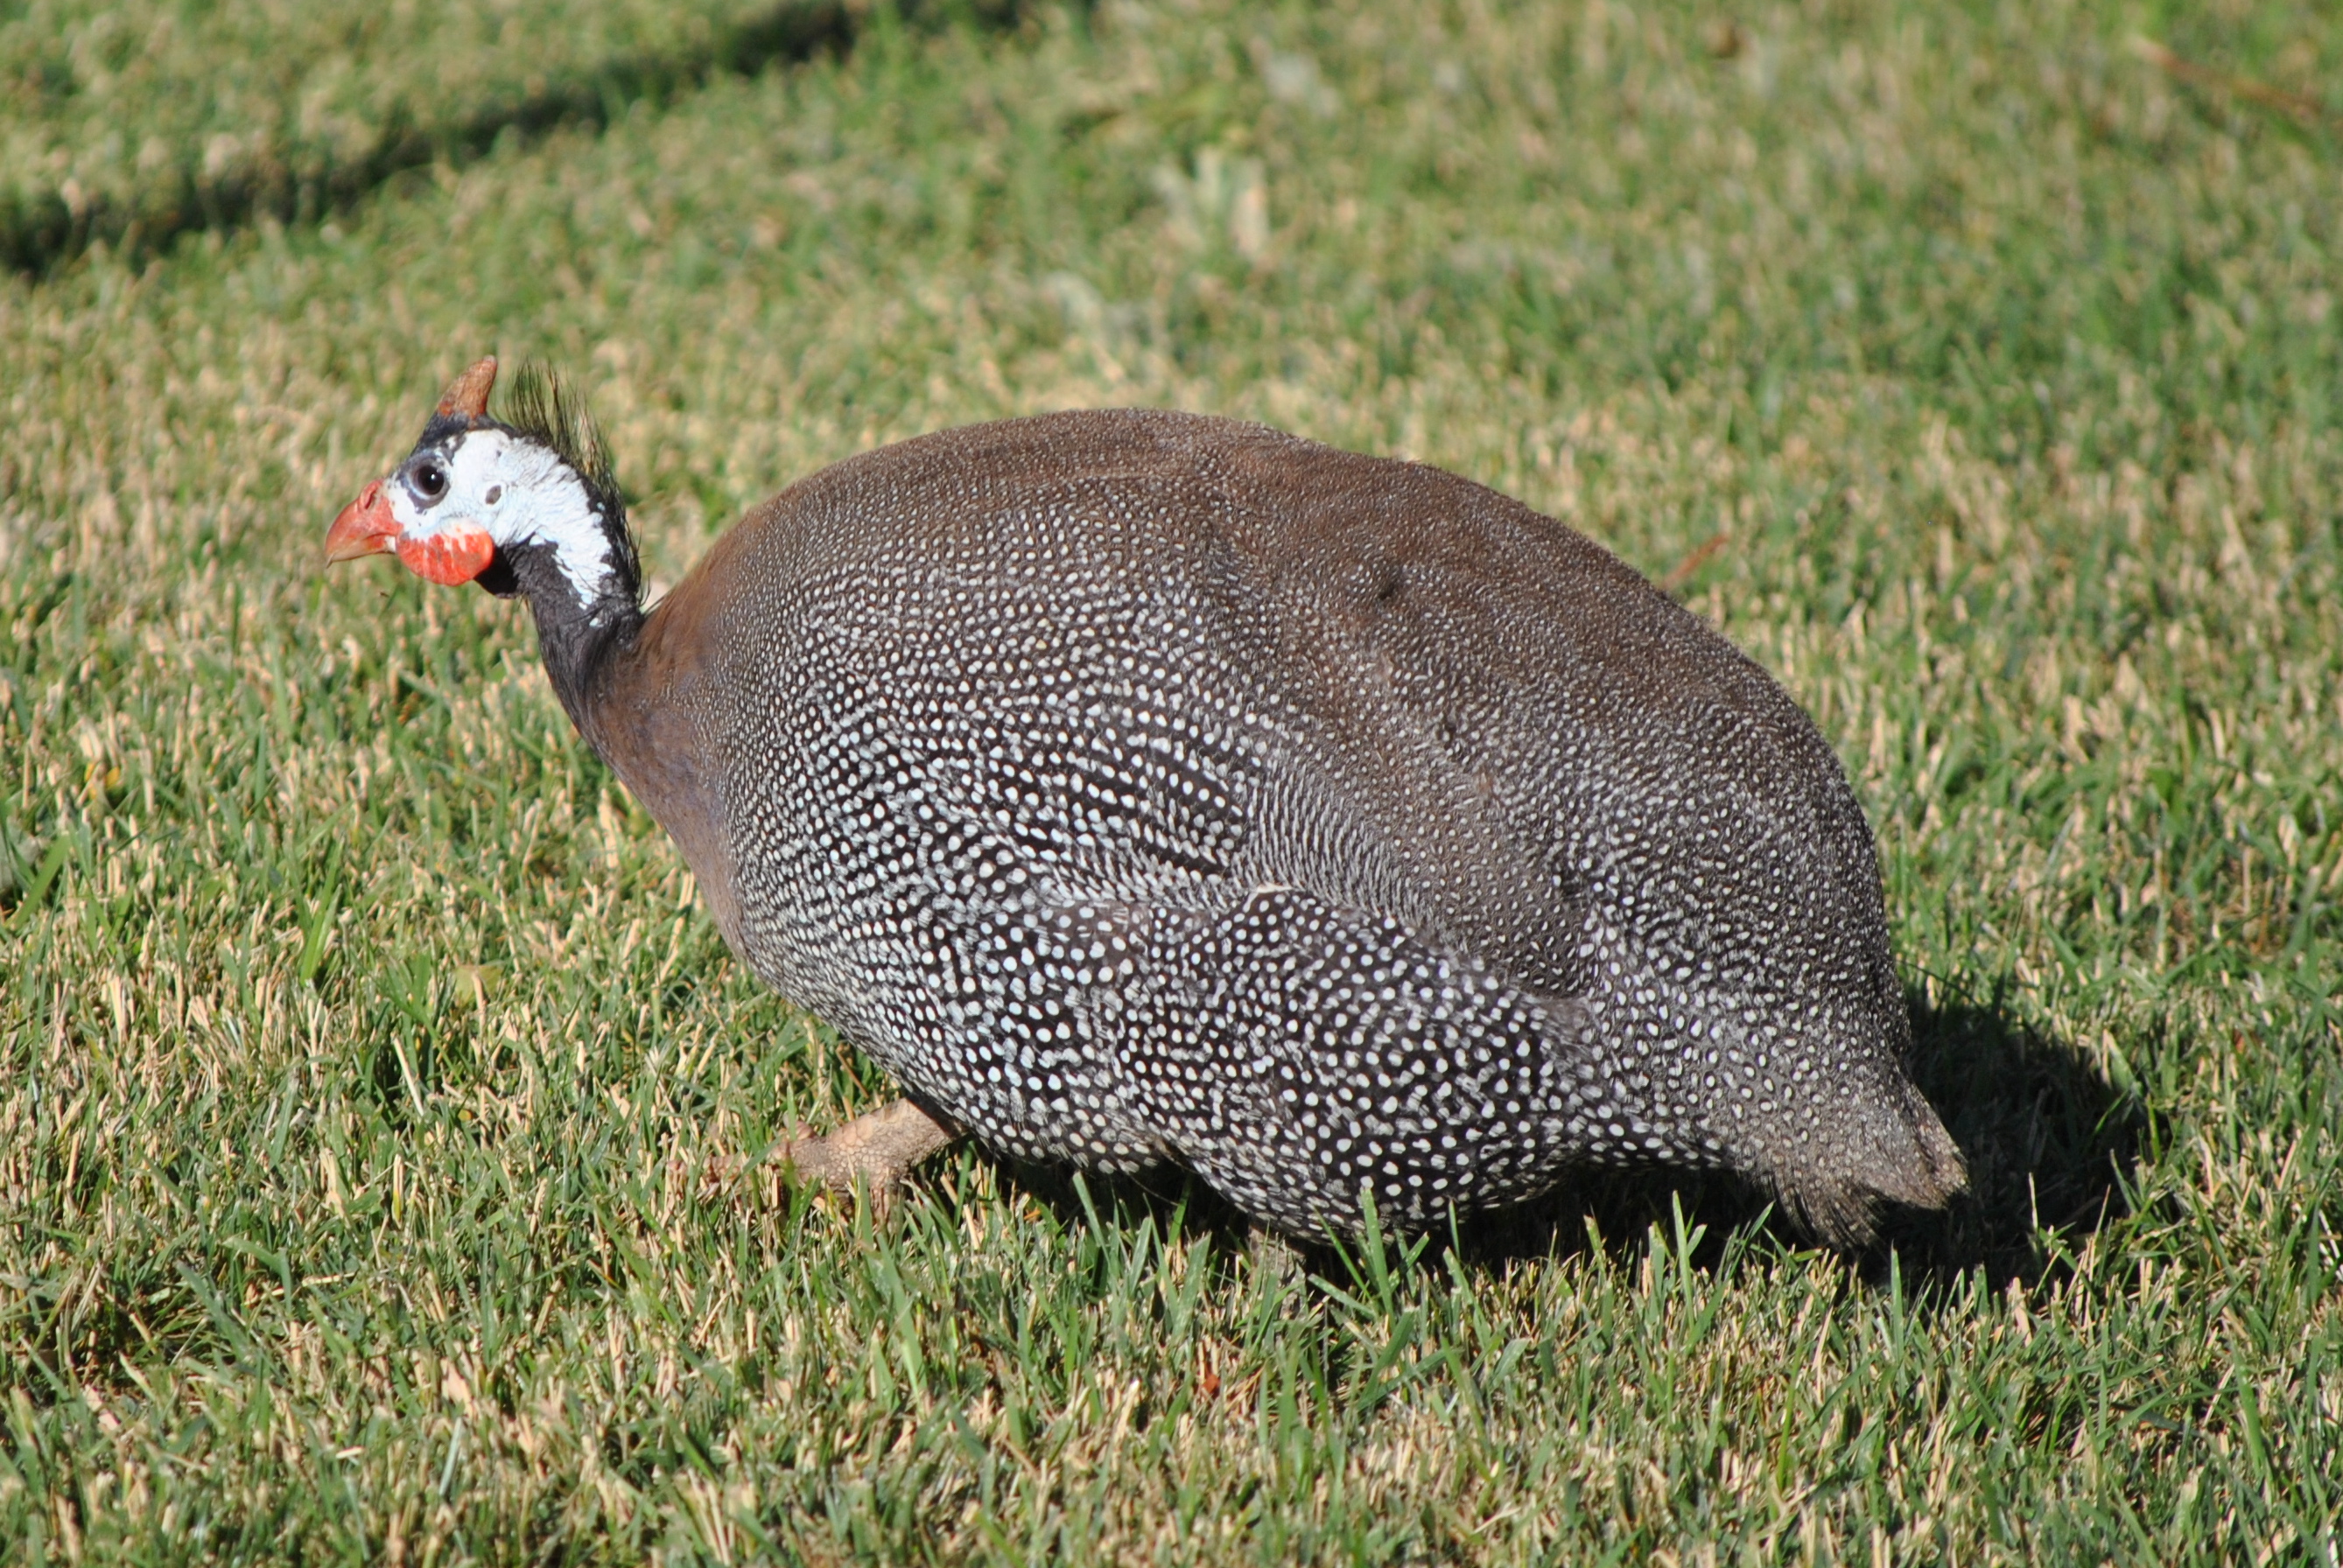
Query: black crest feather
[{"x": 538, "y": 406}]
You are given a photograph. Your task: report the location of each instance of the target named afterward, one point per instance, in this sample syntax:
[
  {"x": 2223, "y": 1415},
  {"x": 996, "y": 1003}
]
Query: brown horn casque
[{"x": 467, "y": 395}]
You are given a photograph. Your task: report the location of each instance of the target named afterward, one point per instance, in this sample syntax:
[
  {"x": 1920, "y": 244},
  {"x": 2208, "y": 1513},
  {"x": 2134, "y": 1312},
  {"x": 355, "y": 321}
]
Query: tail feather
[{"x": 1914, "y": 1162}]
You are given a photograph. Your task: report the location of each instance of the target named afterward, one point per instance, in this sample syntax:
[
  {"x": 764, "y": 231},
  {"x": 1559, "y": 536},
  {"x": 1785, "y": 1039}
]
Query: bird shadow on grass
[
  {"x": 2051, "y": 1143},
  {"x": 2047, "y": 1138}
]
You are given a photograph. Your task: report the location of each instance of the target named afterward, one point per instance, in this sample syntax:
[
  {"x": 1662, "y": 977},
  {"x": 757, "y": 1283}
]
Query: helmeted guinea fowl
[{"x": 1138, "y": 786}]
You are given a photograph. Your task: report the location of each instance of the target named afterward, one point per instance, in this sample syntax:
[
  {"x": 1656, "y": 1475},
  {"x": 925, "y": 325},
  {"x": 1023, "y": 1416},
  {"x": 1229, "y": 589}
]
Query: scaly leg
[
  {"x": 875, "y": 1151},
  {"x": 1273, "y": 1256}
]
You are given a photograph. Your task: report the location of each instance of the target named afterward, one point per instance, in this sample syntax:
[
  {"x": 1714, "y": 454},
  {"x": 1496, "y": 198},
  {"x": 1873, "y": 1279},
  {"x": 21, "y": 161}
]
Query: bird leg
[
  {"x": 1273, "y": 1256},
  {"x": 874, "y": 1152}
]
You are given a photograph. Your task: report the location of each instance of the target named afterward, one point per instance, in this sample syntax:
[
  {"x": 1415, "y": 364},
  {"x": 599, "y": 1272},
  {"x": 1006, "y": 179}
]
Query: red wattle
[{"x": 456, "y": 555}]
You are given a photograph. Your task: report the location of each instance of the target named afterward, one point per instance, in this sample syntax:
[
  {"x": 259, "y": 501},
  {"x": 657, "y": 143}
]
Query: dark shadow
[
  {"x": 2044, "y": 1134},
  {"x": 2049, "y": 1141},
  {"x": 44, "y": 232},
  {"x": 1169, "y": 1194}
]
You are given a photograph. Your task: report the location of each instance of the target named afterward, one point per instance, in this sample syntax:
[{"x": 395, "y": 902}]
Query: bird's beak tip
[{"x": 364, "y": 528}]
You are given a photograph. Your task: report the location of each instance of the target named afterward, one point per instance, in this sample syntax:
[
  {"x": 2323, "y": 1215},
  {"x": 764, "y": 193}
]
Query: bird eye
[{"x": 429, "y": 480}]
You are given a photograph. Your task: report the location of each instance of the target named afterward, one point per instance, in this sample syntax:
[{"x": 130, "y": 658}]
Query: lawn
[{"x": 383, "y": 1124}]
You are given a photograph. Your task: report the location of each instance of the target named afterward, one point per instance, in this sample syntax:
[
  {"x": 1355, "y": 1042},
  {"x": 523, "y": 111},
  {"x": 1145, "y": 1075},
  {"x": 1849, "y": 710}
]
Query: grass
[
  {"x": 131, "y": 124},
  {"x": 380, "y": 1118}
]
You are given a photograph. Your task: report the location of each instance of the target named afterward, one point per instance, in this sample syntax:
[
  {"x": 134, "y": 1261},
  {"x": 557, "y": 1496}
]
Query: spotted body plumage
[{"x": 1154, "y": 788}]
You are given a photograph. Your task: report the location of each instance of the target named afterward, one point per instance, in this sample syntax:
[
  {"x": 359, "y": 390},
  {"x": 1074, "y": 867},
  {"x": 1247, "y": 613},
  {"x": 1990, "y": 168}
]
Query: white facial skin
[{"x": 514, "y": 490}]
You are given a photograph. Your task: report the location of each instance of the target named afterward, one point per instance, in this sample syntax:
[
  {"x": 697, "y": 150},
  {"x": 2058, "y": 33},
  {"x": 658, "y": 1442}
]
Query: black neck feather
[{"x": 576, "y": 639}]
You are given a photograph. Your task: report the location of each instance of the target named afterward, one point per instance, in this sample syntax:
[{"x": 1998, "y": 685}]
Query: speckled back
[{"x": 1138, "y": 786}]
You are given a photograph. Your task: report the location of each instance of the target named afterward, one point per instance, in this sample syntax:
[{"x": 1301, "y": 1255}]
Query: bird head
[{"x": 526, "y": 503}]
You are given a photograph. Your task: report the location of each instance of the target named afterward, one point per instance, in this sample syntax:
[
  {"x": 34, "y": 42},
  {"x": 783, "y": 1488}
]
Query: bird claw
[
  {"x": 1273, "y": 1255},
  {"x": 873, "y": 1153}
]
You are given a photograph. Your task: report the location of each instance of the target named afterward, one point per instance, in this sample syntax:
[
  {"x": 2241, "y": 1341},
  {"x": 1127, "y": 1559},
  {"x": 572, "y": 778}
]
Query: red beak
[{"x": 365, "y": 527}]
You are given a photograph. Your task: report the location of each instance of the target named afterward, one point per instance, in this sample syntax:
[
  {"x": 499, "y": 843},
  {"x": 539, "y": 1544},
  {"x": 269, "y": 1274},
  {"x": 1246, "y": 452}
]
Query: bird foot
[
  {"x": 874, "y": 1152},
  {"x": 1273, "y": 1255}
]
